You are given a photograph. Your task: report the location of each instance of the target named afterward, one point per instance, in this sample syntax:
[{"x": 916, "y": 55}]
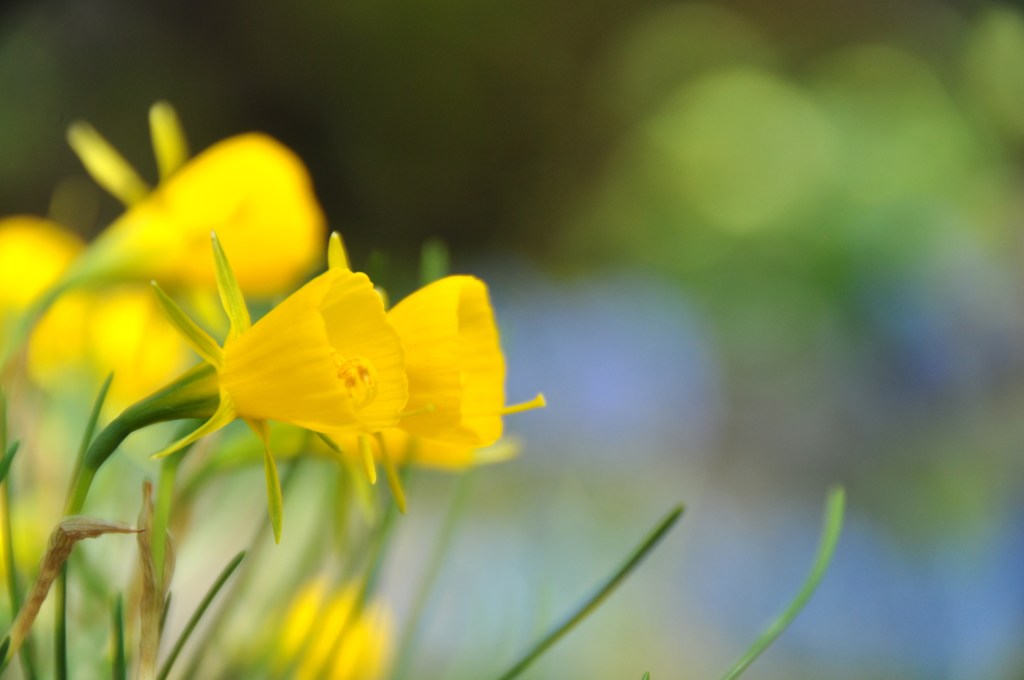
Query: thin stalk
[
  {"x": 162, "y": 516},
  {"x": 598, "y": 597},
  {"x": 119, "y": 667},
  {"x": 198, "y": 614},
  {"x": 832, "y": 527},
  {"x": 14, "y": 592},
  {"x": 60, "y": 630},
  {"x": 90, "y": 427},
  {"x": 411, "y": 632},
  {"x": 256, "y": 544}
]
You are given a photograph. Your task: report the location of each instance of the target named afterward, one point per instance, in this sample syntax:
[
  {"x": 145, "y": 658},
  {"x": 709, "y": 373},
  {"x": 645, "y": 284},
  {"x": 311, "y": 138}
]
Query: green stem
[
  {"x": 27, "y": 650},
  {"x": 60, "y": 631},
  {"x": 198, "y": 614},
  {"x": 598, "y": 597},
  {"x": 90, "y": 427},
  {"x": 410, "y": 633},
  {"x": 832, "y": 527},
  {"x": 256, "y": 544},
  {"x": 162, "y": 516},
  {"x": 119, "y": 668},
  {"x": 193, "y": 395}
]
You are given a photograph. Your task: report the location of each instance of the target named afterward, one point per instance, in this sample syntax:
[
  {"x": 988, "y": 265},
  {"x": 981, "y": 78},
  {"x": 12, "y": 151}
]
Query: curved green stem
[
  {"x": 193, "y": 395},
  {"x": 598, "y": 597},
  {"x": 831, "y": 528}
]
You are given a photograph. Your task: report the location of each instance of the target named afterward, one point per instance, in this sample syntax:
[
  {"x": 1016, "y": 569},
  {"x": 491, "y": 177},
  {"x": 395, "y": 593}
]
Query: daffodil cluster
[{"x": 421, "y": 382}]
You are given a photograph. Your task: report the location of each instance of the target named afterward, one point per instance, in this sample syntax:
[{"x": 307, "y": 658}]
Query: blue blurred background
[{"x": 747, "y": 249}]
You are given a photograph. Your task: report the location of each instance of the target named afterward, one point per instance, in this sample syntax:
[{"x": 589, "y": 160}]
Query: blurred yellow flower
[
  {"x": 34, "y": 253},
  {"x": 86, "y": 335},
  {"x": 323, "y": 636},
  {"x": 251, "y": 190}
]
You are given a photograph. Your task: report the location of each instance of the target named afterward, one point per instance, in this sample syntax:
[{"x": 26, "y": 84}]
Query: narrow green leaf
[
  {"x": 224, "y": 415},
  {"x": 275, "y": 497},
  {"x": 196, "y": 337},
  {"x": 410, "y": 634},
  {"x": 230, "y": 292},
  {"x": 832, "y": 527},
  {"x": 119, "y": 665},
  {"x": 257, "y": 544},
  {"x": 60, "y": 627},
  {"x": 647, "y": 676},
  {"x": 14, "y": 592},
  {"x": 434, "y": 261},
  {"x": 3, "y": 418},
  {"x": 198, "y": 614},
  {"x": 394, "y": 481},
  {"x": 5, "y": 462},
  {"x": 598, "y": 597},
  {"x": 166, "y": 611},
  {"x": 90, "y": 428}
]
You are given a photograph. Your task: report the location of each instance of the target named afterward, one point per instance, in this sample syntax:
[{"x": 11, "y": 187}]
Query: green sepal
[
  {"x": 275, "y": 498},
  {"x": 196, "y": 337},
  {"x": 230, "y": 292}
]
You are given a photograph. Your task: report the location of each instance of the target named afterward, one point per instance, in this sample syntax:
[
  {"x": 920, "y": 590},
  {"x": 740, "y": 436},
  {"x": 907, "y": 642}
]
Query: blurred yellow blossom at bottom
[
  {"x": 86, "y": 335},
  {"x": 323, "y": 636}
]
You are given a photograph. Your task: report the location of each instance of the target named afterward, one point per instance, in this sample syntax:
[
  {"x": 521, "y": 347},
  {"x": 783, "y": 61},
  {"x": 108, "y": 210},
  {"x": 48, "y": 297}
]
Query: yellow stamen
[
  {"x": 359, "y": 378},
  {"x": 394, "y": 481},
  {"x": 537, "y": 402},
  {"x": 336, "y": 255},
  {"x": 369, "y": 467},
  {"x": 169, "y": 144},
  {"x": 108, "y": 167}
]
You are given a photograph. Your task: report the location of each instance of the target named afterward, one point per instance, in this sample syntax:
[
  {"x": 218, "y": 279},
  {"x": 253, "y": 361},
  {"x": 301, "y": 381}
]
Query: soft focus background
[{"x": 747, "y": 250}]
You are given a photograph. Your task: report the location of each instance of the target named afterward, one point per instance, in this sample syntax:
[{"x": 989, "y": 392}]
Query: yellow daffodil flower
[
  {"x": 251, "y": 190},
  {"x": 325, "y": 359},
  {"x": 323, "y": 636},
  {"x": 455, "y": 364},
  {"x": 456, "y": 377}
]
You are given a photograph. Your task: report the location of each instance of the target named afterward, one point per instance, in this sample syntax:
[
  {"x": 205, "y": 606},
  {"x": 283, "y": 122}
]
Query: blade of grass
[
  {"x": 411, "y": 632},
  {"x": 599, "y": 595},
  {"x": 14, "y": 592},
  {"x": 119, "y": 667},
  {"x": 60, "y": 630},
  {"x": 832, "y": 526},
  {"x": 60, "y": 637},
  {"x": 90, "y": 426},
  {"x": 256, "y": 544},
  {"x": 198, "y": 614}
]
